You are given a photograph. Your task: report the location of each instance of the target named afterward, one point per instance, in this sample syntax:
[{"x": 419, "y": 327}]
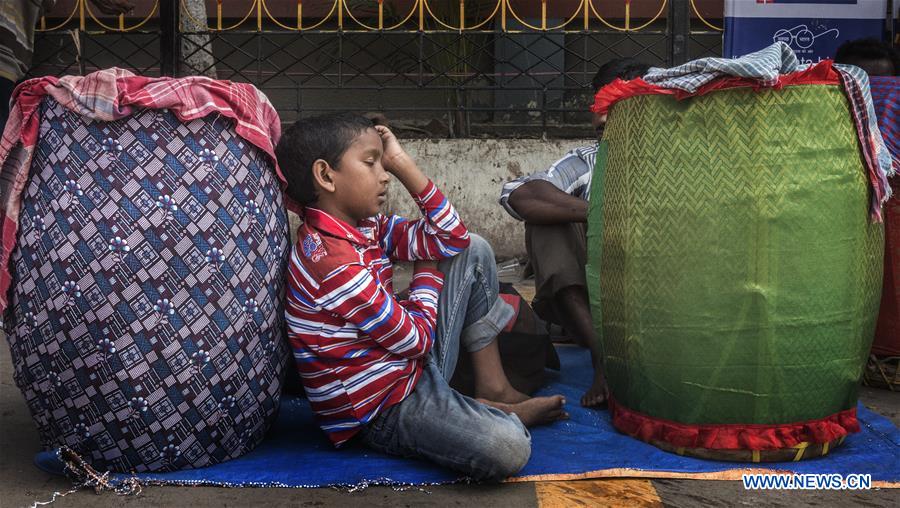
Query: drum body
[
  {"x": 734, "y": 272},
  {"x": 146, "y": 310}
]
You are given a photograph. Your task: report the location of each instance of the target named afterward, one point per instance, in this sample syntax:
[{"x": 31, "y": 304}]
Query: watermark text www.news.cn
[{"x": 773, "y": 481}]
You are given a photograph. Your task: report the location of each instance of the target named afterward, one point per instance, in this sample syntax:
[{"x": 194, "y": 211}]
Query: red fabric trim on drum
[
  {"x": 733, "y": 436},
  {"x": 820, "y": 74}
]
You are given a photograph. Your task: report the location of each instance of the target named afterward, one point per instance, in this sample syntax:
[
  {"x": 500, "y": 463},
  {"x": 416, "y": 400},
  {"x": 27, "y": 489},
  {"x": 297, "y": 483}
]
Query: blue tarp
[{"x": 296, "y": 453}]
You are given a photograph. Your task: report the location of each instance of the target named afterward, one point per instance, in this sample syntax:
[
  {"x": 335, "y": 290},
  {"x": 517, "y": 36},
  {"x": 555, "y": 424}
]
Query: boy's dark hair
[
  {"x": 862, "y": 51},
  {"x": 324, "y": 137},
  {"x": 624, "y": 68}
]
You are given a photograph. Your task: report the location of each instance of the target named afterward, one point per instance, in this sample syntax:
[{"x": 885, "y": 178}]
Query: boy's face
[{"x": 359, "y": 178}]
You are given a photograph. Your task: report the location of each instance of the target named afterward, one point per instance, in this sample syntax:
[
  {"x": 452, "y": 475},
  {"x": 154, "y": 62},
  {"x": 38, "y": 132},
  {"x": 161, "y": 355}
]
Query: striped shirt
[
  {"x": 765, "y": 65},
  {"x": 358, "y": 349},
  {"x": 571, "y": 174}
]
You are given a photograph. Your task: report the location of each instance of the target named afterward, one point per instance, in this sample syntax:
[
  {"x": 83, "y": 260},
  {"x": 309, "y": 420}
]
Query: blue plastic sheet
[{"x": 296, "y": 453}]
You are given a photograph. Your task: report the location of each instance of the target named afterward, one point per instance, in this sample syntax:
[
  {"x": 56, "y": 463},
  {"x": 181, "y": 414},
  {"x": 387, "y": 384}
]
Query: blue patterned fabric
[{"x": 146, "y": 324}]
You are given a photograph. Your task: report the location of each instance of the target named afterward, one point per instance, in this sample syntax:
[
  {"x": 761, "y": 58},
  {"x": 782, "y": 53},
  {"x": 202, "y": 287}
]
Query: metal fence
[{"x": 499, "y": 68}]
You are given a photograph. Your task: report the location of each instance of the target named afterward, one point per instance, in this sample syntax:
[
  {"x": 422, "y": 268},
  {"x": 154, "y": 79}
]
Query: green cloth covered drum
[{"x": 733, "y": 270}]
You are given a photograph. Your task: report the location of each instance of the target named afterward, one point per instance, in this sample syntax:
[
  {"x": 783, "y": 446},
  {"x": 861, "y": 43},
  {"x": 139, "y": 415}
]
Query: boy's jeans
[{"x": 437, "y": 423}]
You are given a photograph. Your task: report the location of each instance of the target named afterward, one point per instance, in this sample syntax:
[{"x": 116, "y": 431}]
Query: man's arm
[
  {"x": 554, "y": 196},
  {"x": 541, "y": 202}
]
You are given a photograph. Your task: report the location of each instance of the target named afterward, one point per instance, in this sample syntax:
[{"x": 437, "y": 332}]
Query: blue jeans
[{"x": 438, "y": 423}]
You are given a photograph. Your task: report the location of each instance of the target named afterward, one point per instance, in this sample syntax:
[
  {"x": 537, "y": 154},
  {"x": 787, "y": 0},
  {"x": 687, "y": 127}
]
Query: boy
[
  {"x": 375, "y": 367},
  {"x": 554, "y": 205}
]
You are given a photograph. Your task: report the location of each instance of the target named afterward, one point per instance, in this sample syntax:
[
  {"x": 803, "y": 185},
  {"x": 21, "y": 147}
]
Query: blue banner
[
  {"x": 853, "y": 2},
  {"x": 814, "y": 30}
]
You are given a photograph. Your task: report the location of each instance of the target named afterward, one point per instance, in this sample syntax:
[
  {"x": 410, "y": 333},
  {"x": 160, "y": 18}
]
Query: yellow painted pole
[
  {"x": 81, "y": 13},
  {"x": 299, "y": 14},
  {"x": 259, "y": 7},
  {"x": 340, "y": 14},
  {"x": 381, "y": 14},
  {"x": 219, "y": 15},
  {"x": 587, "y": 15},
  {"x": 627, "y": 14},
  {"x": 503, "y": 15},
  {"x": 462, "y": 15},
  {"x": 421, "y": 15},
  {"x": 122, "y": 21},
  {"x": 543, "y": 14}
]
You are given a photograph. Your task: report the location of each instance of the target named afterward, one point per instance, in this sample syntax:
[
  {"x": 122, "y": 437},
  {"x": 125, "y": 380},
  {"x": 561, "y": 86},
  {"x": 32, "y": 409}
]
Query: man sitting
[{"x": 554, "y": 205}]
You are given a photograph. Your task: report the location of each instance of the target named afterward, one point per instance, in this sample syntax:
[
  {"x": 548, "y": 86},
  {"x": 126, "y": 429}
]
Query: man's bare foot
[
  {"x": 597, "y": 393},
  {"x": 534, "y": 411},
  {"x": 507, "y": 395}
]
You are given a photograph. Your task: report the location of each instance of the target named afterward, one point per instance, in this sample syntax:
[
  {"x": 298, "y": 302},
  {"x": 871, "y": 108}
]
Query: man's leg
[
  {"x": 573, "y": 307},
  {"x": 558, "y": 254}
]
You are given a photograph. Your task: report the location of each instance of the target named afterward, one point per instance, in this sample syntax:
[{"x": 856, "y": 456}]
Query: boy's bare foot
[
  {"x": 595, "y": 396},
  {"x": 506, "y": 395},
  {"x": 534, "y": 411}
]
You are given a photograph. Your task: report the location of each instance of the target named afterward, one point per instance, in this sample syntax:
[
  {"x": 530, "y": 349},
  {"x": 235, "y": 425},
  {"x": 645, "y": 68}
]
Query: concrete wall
[{"x": 471, "y": 173}]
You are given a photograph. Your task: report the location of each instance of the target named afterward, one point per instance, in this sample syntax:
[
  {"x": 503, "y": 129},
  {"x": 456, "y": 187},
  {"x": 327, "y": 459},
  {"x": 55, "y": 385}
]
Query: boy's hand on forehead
[
  {"x": 394, "y": 158},
  {"x": 398, "y": 163}
]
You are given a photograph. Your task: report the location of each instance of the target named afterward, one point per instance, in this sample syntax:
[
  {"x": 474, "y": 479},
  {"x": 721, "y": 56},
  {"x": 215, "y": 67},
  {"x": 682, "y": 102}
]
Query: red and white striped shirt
[{"x": 358, "y": 349}]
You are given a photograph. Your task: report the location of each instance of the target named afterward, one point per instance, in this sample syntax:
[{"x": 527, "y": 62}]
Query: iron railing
[{"x": 505, "y": 68}]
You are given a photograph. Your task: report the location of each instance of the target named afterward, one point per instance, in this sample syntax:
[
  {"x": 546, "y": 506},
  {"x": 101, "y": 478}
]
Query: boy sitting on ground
[{"x": 377, "y": 368}]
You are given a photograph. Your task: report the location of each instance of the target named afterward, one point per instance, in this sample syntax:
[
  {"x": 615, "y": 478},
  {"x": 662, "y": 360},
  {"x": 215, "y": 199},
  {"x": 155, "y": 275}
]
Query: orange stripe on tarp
[{"x": 727, "y": 475}]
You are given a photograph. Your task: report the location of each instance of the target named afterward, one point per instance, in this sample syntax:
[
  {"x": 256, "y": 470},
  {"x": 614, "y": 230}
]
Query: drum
[
  {"x": 734, "y": 271},
  {"x": 146, "y": 312}
]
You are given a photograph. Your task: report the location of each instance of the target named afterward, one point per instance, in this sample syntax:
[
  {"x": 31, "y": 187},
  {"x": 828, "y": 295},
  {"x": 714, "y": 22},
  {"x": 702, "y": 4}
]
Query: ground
[{"x": 21, "y": 484}]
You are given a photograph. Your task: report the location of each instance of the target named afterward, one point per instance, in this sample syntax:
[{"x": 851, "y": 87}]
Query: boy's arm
[
  {"x": 440, "y": 233},
  {"x": 423, "y": 297},
  {"x": 405, "y": 329},
  {"x": 398, "y": 163}
]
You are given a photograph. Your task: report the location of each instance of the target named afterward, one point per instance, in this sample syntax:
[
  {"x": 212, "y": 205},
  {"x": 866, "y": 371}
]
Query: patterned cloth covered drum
[{"x": 146, "y": 309}]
